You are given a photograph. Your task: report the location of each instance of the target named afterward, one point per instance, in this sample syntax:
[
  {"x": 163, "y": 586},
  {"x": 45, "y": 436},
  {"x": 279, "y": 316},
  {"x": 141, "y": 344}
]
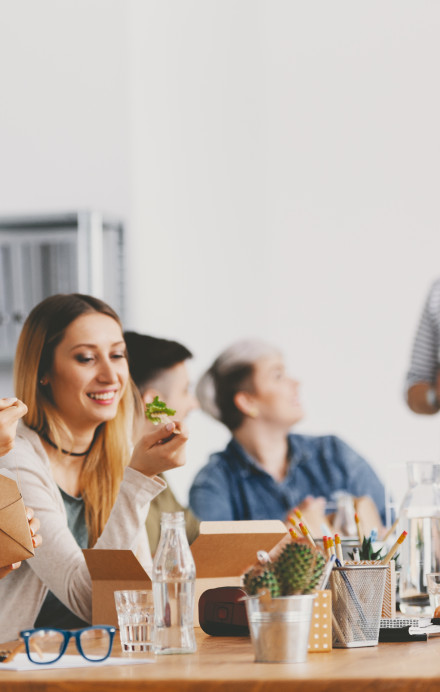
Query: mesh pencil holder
[{"x": 357, "y": 594}]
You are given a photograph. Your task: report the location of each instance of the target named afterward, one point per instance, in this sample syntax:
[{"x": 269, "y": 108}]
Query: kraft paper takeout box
[
  {"x": 224, "y": 550},
  {"x": 112, "y": 570},
  {"x": 15, "y": 535}
]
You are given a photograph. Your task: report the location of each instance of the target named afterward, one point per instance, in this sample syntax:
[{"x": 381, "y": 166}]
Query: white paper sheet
[{"x": 21, "y": 662}]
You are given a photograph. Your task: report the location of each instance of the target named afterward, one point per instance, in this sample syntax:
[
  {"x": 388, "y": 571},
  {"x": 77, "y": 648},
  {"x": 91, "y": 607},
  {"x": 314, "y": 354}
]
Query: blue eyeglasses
[{"x": 47, "y": 645}]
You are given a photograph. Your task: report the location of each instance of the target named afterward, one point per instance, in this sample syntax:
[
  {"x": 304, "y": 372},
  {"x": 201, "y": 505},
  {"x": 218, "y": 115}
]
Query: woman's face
[
  {"x": 276, "y": 396},
  {"x": 89, "y": 371}
]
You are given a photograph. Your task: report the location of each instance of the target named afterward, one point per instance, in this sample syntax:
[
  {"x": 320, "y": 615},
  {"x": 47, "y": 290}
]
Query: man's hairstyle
[{"x": 149, "y": 356}]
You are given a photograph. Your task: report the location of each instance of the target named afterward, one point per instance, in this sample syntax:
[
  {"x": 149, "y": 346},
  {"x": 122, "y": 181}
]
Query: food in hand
[
  {"x": 157, "y": 408},
  {"x": 157, "y": 412}
]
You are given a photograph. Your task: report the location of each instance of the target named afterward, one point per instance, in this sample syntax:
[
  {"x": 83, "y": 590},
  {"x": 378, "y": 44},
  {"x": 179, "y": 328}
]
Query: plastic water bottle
[{"x": 174, "y": 575}]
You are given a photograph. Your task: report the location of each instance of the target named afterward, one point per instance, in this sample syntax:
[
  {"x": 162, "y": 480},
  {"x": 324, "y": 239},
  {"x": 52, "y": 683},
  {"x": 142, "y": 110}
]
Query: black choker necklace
[{"x": 64, "y": 451}]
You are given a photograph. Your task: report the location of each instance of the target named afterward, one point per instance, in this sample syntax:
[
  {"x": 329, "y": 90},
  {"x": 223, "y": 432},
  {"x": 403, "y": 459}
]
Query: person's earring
[
  {"x": 253, "y": 412},
  {"x": 43, "y": 381}
]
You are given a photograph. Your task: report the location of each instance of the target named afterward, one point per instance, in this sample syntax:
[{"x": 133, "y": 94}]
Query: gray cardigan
[{"x": 59, "y": 563}]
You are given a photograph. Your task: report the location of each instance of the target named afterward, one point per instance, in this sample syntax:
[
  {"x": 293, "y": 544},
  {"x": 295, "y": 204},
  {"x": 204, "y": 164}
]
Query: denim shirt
[{"x": 233, "y": 486}]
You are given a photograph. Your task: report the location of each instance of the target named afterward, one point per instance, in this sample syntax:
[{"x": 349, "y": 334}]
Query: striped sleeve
[{"x": 425, "y": 352}]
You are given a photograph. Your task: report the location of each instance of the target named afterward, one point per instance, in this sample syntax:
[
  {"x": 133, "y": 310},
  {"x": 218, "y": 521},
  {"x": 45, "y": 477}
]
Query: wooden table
[{"x": 226, "y": 664}]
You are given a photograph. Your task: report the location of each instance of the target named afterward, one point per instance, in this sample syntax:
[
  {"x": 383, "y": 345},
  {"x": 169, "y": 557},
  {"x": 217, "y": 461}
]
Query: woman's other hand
[
  {"x": 11, "y": 410},
  {"x": 34, "y": 525},
  {"x": 155, "y": 452},
  {"x": 5, "y": 570}
]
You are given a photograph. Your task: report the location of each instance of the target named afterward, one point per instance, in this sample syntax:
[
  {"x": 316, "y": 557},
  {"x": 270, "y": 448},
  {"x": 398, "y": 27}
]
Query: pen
[
  {"x": 352, "y": 594},
  {"x": 394, "y": 547},
  {"x": 326, "y": 573}
]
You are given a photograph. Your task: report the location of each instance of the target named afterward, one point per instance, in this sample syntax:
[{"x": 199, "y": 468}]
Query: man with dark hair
[{"x": 158, "y": 368}]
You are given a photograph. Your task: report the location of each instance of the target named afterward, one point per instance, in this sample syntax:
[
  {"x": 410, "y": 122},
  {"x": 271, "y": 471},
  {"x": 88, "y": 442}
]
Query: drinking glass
[
  {"x": 419, "y": 554},
  {"x": 136, "y": 620},
  {"x": 433, "y": 584}
]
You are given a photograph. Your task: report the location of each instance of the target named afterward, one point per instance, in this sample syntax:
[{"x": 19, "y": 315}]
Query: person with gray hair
[{"x": 265, "y": 470}]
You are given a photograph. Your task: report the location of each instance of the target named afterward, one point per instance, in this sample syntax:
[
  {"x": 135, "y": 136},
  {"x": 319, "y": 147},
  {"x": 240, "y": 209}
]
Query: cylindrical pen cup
[
  {"x": 357, "y": 595},
  {"x": 280, "y": 627}
]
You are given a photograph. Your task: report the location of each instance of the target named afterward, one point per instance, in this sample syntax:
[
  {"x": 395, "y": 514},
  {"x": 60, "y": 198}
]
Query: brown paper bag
[{"x": 15, "y": 535}]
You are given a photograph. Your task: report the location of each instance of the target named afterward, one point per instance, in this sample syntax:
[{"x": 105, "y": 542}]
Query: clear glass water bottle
[
  {"x": 174, "y": 575},
  {"x": 420, "y": 552}
]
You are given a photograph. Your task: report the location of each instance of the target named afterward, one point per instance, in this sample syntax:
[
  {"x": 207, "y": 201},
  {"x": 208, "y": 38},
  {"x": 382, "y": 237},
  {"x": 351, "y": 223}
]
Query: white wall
[
  {"x": 285, "y": 175},
  {"x": 64, "y": 109},
  {"x": 278, "y": 166}
]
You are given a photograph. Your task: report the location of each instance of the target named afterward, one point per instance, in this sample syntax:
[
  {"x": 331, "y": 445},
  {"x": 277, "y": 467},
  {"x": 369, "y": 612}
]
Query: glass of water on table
[
  {"x": 135, "y": 619},
  {"x": 433, "y": 585}
]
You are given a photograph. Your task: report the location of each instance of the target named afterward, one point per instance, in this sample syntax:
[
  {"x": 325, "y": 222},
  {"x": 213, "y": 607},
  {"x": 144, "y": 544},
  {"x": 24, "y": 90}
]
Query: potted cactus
[{"x": 280, "y": 602}]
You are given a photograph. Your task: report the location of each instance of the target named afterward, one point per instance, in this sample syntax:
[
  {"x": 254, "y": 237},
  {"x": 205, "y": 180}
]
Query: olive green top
[{"x": 166, "y": 502}]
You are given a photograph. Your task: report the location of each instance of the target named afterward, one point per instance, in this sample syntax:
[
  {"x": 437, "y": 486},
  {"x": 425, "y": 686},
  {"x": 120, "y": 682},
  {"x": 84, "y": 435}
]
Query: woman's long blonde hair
[{"x": 104, "y": 465}]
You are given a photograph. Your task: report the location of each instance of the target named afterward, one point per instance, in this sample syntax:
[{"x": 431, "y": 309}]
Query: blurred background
[{"x": 275, "y": 168}]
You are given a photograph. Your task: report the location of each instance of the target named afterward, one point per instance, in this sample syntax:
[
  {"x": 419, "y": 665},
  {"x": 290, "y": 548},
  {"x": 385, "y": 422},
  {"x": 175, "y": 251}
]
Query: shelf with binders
[{"x": 44, "y": 255}]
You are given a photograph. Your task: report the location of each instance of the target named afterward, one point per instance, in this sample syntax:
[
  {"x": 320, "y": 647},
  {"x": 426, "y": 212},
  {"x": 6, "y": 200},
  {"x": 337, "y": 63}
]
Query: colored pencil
[
  {"x": 306, "y": 533},
  {"x": 338, "y": 547},
  {"x": 358, "y": 528},
  {"x": 394, "y": 548}
]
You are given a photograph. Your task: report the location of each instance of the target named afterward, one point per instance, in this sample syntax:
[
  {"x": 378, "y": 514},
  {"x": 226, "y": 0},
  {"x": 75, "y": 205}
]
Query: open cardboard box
[
  {"x": 112, "y": 570},
  {"x": 225, "y": 549},
  {"x": 222, "y": 552}
]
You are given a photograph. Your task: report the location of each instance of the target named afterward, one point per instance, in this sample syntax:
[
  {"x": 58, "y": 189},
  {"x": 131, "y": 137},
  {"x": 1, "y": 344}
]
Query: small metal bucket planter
[{"x": 280, "y": 627}]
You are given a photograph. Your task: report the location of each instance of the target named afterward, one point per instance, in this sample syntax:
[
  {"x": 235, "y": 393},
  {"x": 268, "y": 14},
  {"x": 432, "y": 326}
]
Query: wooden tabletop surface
[{"x": 227, "y": 664}]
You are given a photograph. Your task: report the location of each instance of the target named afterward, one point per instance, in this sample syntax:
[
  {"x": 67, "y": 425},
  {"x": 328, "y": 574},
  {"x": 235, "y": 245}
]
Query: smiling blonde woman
[{"x": 73, "y": 455}]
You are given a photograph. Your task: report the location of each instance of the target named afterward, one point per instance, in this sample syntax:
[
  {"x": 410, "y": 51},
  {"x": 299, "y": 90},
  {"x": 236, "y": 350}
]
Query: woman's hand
[
  {"x": 5, "y": 570},
  {"x": 34, "y": 525},
  {"x": 11, "y": 410},
  {"x": 155, "y": 453}
]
